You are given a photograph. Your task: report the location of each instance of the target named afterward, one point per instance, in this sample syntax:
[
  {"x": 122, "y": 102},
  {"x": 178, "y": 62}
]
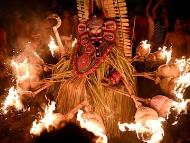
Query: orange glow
[
  {"x": 12, "y": 100},
  {"x": 22, "y": 70},
  {"x": 74, "y": 43},
  {"x": 153, "y": 128},
  {"x": 47, "y": 121},
  {"x": 92, "y": 127},
  {"x": 166, "y": 53}
]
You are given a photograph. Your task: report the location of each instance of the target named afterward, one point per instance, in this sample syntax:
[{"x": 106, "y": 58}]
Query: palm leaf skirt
[{"x": 111, "y": 105}]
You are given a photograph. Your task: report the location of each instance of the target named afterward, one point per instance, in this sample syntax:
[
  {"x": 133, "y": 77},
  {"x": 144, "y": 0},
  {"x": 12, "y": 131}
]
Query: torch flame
[
  {"x": 46, "y": 122},
  {"x": 22, "y": 70},
  {"x": 180, "y": 106},
  {"x": 167, "y": 54},
  {"x": 152, "y": 127},
  {"x": 12, "y": 99},
  {"x": 145, "y": 45},
  {"x": 90, "y": 126},
  {"x": 182, "y": 82},
  {"x": 52, "y": 46},
  {"x": 183, "y": 64}
]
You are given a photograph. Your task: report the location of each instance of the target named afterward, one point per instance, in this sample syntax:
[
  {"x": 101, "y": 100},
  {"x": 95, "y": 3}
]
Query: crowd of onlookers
[
  {"x": 21, "y": 27},
  {"x": 151, "y": 22},
  {"x": 148, "y": 22}
]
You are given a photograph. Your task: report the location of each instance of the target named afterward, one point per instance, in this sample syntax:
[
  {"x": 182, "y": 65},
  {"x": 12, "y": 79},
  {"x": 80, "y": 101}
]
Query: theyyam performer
[{"x": 99, "y": 71}]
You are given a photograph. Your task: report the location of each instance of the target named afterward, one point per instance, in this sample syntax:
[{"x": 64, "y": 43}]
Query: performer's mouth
[{"x": 96, "y": 41}]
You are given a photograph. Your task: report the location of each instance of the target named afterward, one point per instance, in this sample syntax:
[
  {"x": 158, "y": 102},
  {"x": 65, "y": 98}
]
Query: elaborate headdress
[
  {"x": 113, "y": 9},
  {"x": 97, "y": 34}
]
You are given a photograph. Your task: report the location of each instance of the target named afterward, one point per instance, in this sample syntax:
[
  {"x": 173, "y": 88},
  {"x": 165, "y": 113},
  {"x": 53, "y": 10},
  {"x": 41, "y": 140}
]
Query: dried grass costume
[{"x": 99, "y": 70}]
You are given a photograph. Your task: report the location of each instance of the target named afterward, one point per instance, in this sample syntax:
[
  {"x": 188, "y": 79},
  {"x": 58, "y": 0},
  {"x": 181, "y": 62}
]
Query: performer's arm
[
  {"x": 148, "y": 8},
  {"x": 155, "y": 8}
]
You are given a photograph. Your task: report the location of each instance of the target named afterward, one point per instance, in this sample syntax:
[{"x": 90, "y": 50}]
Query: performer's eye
[
  {"x": 99, "y": 30},
  {"x": 93, "y": 31}
]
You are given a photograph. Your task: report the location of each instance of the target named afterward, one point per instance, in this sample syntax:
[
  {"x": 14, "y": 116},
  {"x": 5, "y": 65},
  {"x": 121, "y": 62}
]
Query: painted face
[
  {"x": 95, "y": 28},
  {"x": 95, "y": 31},
  {"x": 95, "y": 39}
]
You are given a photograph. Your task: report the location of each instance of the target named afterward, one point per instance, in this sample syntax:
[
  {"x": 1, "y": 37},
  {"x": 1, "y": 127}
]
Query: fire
[
  {"x": 152, "y": 128},
  {"x": 92, "y": 127},
  {"x": 167, "y": 54},
  {"x": 22, "y": 70},
  {"x": 183, "y": 64},
  {"x": 183, "y": 80},
  {"x": 52, "y": 46},
  {"x": 145, "y": 45},
  {"x": 180, "y": 106},
  {"x": 36, "y": 55},
  {"x": 13, "y": 100},
  {"x": 181, "y": 84},
  {"x": 48, "y": 121},
  {"x": 74, "y": 43}
]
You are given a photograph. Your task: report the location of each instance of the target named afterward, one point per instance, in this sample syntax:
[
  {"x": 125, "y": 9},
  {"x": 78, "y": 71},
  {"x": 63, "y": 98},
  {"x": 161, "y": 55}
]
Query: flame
[
  {"x": 181, "y": 63},
  {"x": 180, "y": 106},
  {"x": 36, "y": 55},
  {"x": 182, "y": 82},
  {"x": 46, "y": 122},
  {"x": 151, "y": 127},
  {"x": 12, "y": 99},
  {"x": 167, "y": 54},
  {"x": 74, "y": 43},
  {"x": 52, "y": 46},
  {"x": 145, "y": 45},
  {"x": 90, "y": 126},
  {"x": 22, "y": 70}
]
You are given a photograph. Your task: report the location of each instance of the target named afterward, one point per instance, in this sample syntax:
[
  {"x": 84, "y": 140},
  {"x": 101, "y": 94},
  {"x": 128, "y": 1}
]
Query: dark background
[{"x": 177, "y": 8}]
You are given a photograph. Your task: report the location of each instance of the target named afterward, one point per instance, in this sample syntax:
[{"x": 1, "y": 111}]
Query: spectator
[
  {"x": 160, "y": 22},
  {"x": 150, "y": 21},
  {"x": 139, "y": 25},
  {"x": 178, "y": 40}
]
